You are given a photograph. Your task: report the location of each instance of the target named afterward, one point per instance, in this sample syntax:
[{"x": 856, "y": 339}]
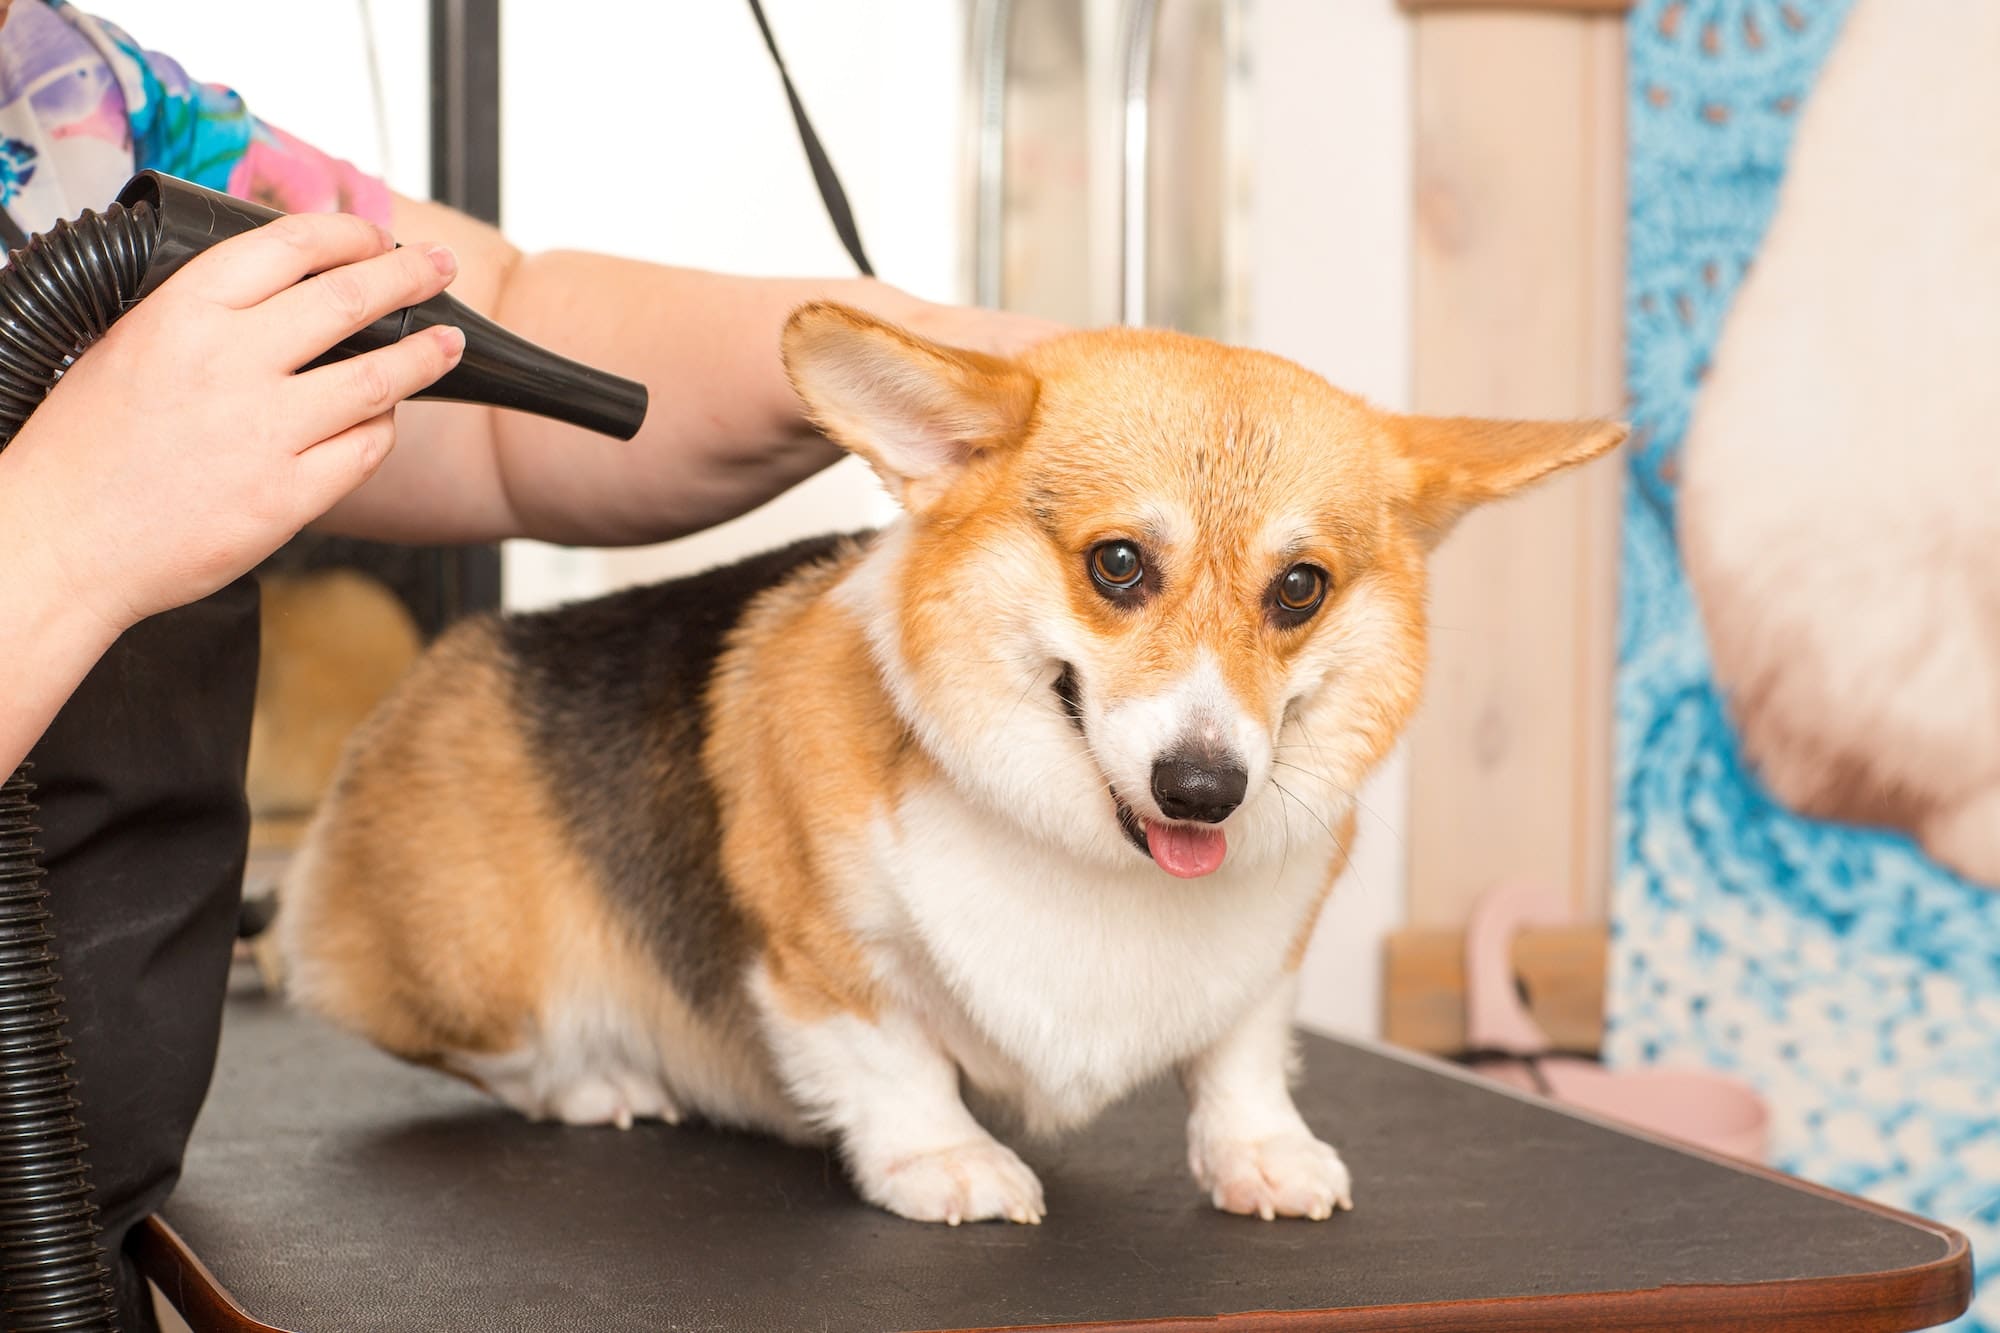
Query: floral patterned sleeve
[{"x": 96, "y": 106}]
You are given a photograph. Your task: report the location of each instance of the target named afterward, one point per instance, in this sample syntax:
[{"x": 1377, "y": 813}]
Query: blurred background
[{"x": 1710, "y": 756}]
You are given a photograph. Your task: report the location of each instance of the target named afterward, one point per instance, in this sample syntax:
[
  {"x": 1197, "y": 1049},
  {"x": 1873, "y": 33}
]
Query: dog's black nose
[{"x": 1198, "y": 787}]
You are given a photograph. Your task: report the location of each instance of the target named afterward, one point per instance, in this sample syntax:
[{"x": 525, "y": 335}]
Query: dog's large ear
[
  {"x": 1459, "y": 462},
  {"x": 916, "y": 410}
]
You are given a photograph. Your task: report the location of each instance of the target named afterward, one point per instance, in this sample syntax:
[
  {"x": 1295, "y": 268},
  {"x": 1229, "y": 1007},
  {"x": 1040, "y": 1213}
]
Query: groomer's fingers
[
  {"x": 331, "y": 398},
  {"x": 301, "y": 322},
  {"x": 257, "y": 265},
  {"x": 332, "y": 469}
]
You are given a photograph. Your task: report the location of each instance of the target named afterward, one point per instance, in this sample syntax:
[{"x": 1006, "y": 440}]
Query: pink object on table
[{"x": 1697, "y": 1106}]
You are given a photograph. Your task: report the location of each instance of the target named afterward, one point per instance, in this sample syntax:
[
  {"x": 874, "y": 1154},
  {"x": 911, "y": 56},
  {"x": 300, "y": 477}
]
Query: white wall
[{"x": 688, "y": 155}]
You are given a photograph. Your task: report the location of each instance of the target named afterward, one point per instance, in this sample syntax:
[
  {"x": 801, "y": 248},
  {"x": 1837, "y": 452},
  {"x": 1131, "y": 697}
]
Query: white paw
[
  {"x": 612, "y": 1100},
  {"x": 646, "y": 1099},
  {"x": 970, "y": 1182},
  {"x": 1287, "y": 1175}
]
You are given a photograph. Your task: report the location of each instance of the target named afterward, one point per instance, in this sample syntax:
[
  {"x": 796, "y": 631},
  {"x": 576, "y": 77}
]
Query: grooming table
[{"x": 330, "y": 1188}]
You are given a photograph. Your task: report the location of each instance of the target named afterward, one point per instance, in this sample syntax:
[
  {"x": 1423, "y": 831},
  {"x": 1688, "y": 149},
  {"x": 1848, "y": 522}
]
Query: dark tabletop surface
[{"x": 330, "y": 1187}]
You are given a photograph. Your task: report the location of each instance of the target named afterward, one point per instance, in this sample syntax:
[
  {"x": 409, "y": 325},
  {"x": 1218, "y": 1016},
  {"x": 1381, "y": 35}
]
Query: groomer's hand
[{"x": 182, "y": 449}]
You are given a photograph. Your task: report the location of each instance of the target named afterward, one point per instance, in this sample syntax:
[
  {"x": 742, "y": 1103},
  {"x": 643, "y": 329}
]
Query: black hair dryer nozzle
[{"x": 499, "y": 368}]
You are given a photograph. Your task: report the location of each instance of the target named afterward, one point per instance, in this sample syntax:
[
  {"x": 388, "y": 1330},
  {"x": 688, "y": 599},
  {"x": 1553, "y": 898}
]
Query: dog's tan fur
[
  {"x": 463, "y": 910},
  {"x": 797, "y": 784},
  {"x": 422, "y": 853}
]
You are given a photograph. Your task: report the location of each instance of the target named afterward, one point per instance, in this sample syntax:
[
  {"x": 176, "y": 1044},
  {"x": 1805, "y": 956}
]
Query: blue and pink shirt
[{"x": 83, "y": 107}]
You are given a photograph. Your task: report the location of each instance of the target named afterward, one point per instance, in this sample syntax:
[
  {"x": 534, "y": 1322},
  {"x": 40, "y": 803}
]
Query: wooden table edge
[
  {"x": 1894, "y": 1301},
  {"x": 1911, "y": 1298},
  {"x": 172, "y": 1266}
]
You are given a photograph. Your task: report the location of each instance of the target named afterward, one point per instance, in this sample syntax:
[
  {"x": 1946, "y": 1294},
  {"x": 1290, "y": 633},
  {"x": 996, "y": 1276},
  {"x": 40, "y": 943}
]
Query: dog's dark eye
[
  {"x": 1301, "y": 590},
  {"x": 1116, "y": 566}
]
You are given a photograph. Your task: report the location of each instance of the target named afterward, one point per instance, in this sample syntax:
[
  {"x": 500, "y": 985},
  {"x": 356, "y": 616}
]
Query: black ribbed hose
[
  {"x": 57, "y": 297},
  {"x": 60, "y": 294},
  {"x": 52, "y": 1270}
]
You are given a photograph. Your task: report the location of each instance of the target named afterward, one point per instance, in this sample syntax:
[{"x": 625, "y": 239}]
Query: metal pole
[
  {"x": 465, "y": 174},
  {"x": 1141, "y": 19}
]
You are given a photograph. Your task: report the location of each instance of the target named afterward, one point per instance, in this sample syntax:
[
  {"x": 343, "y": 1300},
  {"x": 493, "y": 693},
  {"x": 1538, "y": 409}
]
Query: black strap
[{"x": 830, "y": 192}]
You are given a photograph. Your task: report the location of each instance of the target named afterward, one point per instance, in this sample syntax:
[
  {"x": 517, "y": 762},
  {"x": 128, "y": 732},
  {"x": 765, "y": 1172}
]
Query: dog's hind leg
[
  {"x": 618, "y": 1097},
  {"x": 615, "y": 1097},
  {"x": 579, "y": 1074}
]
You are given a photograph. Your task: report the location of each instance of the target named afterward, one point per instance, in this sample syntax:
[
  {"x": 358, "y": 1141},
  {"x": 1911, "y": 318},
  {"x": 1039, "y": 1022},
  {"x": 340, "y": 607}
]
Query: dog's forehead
[{"x": 1222, "y": 437}]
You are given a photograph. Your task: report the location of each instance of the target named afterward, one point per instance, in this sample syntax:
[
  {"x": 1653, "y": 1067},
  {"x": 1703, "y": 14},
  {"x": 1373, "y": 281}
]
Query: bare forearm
[
  {"x": 724, "y": 431},
  {"x": 47, "y": 657},
  {"x": 48, "y": 641}
]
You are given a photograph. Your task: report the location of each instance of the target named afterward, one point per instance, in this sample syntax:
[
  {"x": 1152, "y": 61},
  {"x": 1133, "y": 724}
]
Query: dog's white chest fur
[{"x": 1059, "y": 986}]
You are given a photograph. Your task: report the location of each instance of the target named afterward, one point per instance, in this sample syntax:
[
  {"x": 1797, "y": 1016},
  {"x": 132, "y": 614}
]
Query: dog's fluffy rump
[
  {"x": 826, "y": 842},
  {"x": 1840, "y": 503}
]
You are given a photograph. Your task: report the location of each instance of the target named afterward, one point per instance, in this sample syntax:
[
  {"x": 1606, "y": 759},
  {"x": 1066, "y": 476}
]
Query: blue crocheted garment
[{"x": 1855, "y": 982}]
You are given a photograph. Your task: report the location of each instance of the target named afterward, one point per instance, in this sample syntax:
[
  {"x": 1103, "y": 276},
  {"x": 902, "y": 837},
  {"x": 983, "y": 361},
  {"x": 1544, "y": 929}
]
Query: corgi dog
[{"x": 1024, "y": 801}]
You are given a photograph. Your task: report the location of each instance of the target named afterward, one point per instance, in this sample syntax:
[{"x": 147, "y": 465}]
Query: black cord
[{"x": 830, "y": 193}]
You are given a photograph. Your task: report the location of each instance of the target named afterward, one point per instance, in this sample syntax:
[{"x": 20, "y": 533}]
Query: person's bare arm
[
  {"x": 49, "y": 642},
  {"x": 723, "y": 433}
]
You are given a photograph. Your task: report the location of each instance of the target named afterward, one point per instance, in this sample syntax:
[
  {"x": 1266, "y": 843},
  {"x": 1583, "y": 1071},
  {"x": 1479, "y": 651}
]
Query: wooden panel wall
[{"x": 1518, "y": 274}]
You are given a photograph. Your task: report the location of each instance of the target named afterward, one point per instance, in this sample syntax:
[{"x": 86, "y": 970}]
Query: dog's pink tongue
[{"x": 1186, "y": 850}]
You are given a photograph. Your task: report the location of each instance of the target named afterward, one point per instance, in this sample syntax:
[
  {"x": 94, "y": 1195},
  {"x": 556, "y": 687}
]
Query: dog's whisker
[
  {"x": 1352, "y": 794},
  {"x": 1381, "y": 820},
  {"x": 1311, "y": 739},
  {"x": 1346, "y": 855},
  {"x": 1309, "y": 810},
  {"x": 1316, "y": 777},
  {"x": 1034, "y": 679},
  {"x": 1349, "y": 794},
  {"x": 1285, "y": 858}
]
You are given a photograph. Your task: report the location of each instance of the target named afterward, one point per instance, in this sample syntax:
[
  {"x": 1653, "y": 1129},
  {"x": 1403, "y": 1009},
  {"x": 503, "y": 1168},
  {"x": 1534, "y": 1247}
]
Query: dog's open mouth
[{"x": 1185, "y": 851}]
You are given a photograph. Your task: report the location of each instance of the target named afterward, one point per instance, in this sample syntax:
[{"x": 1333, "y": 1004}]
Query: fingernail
[
  {"x": 443, "y": 260},
  {"x": 453, "y": 340}
]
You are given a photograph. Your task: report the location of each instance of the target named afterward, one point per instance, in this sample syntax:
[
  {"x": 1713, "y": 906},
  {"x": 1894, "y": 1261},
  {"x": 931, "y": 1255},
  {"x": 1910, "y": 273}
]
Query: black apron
[{"x": 145, "y": 825}]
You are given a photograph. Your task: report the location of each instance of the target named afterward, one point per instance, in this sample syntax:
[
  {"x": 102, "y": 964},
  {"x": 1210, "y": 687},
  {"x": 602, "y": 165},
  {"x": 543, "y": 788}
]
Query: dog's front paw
[
  {"x": 1287, "y": 1175},
  {"x": 968, "y": 1182}
]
